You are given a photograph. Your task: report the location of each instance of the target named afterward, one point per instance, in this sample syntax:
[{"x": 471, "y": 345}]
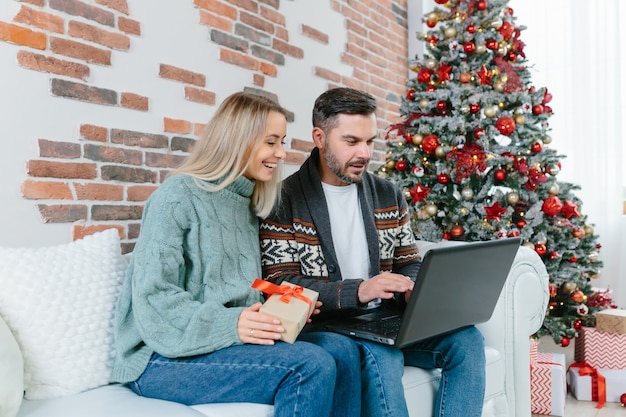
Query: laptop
[{"x": 457, "y": 286}]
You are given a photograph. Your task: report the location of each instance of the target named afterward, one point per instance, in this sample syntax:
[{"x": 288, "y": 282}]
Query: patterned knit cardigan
[{"x": 297, "y": 245}]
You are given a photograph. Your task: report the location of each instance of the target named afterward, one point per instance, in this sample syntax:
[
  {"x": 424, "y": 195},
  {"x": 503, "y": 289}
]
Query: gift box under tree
[
  {"x": 611, "y": 320},
  {"x": 548, "y": 386},
  {"x": 600, "y": 349},
  {"x": 597, "y": 384}
]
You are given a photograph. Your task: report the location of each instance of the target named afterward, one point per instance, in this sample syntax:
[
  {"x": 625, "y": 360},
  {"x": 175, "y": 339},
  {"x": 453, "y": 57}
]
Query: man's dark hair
[{"x": 336, "y": 101}]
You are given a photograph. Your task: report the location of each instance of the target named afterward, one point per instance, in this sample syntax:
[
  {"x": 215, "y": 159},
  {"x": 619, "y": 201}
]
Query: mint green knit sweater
[{"x": 189, "y": 276}]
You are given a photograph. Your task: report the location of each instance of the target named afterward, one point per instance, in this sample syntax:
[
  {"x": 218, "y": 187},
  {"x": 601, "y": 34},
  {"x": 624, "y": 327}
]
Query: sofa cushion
[
  {"x": 11, "y": 373},
  {"x": 59, "y": 301}
]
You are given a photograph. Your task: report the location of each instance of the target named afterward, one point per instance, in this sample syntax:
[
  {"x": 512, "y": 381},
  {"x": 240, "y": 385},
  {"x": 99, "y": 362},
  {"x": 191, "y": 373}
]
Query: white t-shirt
[{"x": 348, "y": 230}]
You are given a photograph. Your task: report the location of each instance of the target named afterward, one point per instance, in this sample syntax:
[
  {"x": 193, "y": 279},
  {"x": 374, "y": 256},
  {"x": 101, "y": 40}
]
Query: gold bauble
[
  {"x": 441, "y": 152},
  {"x": 547, "y": 139},
  {"x": 490, "y": 111},
  {"x": 553, "y": 189},
  {"x": 417, "y": 139},
  {"x": 512, "y": 197},
  {"x": 424, "y": 103},
  {"x": 430, "y": 63},
  {"x": 390, "y": 164},
  {"x": 450, "y": 32},
  {"x": 431, "y": 209},
  {"x": 568, "y": 287},
  {"x": 588, "y": 230},
  {"x": 520, "y": 119}
]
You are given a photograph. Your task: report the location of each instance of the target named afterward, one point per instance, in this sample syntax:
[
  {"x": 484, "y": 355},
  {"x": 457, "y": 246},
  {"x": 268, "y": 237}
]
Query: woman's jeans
[
  {"x": 459, "y": 355},
  {"x": 300, "y": 379}
]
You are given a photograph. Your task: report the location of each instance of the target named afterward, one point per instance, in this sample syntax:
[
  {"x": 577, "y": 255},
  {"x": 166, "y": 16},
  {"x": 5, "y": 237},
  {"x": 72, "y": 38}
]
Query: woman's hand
[{"x": 258, "y": 328}]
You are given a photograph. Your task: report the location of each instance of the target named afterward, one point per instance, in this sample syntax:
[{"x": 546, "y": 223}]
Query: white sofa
[{"x": 518, "y": 314}]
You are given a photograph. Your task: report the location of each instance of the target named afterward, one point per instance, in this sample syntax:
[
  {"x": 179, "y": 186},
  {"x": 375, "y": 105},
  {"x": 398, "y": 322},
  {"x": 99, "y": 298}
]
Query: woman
[{"x": 188, "y": 326}]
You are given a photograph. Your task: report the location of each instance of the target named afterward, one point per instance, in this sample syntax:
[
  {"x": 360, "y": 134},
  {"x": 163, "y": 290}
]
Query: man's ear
[{"x": 318, "y": 136}]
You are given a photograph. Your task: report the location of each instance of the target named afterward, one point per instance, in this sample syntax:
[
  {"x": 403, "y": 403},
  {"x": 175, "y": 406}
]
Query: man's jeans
[
  {"x": 461, "y": 357},
  {"x": 299, "y": 379}
]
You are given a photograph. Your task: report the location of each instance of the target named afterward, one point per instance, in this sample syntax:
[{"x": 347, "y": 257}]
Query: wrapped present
[
  {"x": 597, "y": 384},
  {"x": 600, "y": 349},
  {"x": 548, "y": 386},
  {"x": 291, "y": 304},
  {"x": 611, "y": 320}
]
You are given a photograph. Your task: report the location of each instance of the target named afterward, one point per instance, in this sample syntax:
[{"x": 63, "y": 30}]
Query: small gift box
[
  {"x": 611, "y": 320},
  {"x": 548, "y": 386},
  {"x": 600, "y": 349},
  {"x": 597, "y": 384},
  {"x": 291, "y": 304}
]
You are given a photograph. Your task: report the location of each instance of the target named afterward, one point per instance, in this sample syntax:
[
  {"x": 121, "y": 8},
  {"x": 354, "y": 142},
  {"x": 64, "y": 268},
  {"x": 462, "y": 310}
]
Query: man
[{"x": 345, "y": 233}]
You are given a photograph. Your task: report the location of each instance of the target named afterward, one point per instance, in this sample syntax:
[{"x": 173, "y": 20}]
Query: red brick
[
  {"x": 327, "y": 74},
  {"x": 217, "y": 7},
  {"x": 315, "y": 34},
  {"x": 114, "y": 154},
  {"x": 269, "y": 69},
  {"x": 258, "y": 80},
  {"x": 96, "y": 133},
  {"x": 119, "y": 5},
  {"x": 83, "y": 92},
  {"x": 241, "y": 60},
  {"x": 295, "y": 158},
  {"x": 39, "y": 19},
  {"x": 273, "y": 16},
  {"x": 39, "y": 3},
  {"x": 52, "y": 65},
  {"x": 64, "y": 150},
  {"x": 144, "y": 140},
  {"x": 128, "y": 174},
  {"x": 178, "y": 74},
  {"x": 198, "y": 128},
  {"x": 79, "y": 232},
  {"x": 99, "y": 192},
  {"x": 250, "y": 5},
  {"x": 22, "y": 36},
  {"x": 176, "y": 126},
  {"x": 116, "y": 212},
  {"x": 215, "y": 21},
  {"x": 140, "y": 192},
  {"x": 51, "y": 169},
  {"x": 78, "y": 8},
  {"x": 100, "y": 36},
  {"x": 134, "y": 101},
  {"x": 256, "y": 22},
  {"x": 302, "y": 145},
  {"x": 130, "y": 26},
  {"x": 163, "y": 160},
  {"x": 47, "y": 190},
  {"x": 62, "y": 213},
  {"x": 199, "y": 96},
  {"x": 80, "y": 50},
  {"x": 285, "y": 48}
]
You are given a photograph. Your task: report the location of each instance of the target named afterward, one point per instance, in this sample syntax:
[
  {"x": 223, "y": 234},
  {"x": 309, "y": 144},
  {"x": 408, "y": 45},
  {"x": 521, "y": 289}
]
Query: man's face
[{"x": 347, "y": 149}]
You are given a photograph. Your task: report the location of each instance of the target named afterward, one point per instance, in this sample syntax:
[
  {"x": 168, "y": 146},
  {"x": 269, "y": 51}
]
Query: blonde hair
[{"x": 223, "y": 150}]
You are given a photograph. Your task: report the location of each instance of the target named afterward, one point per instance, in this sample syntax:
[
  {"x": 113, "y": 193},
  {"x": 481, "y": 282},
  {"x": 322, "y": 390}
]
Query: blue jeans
[
  {"x": 299, "y": 379},
  {"x": 459, "y": 355}
]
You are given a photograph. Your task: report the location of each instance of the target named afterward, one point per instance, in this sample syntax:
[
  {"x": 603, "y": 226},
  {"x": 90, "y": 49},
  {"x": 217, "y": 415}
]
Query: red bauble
[
  {"x": 622, "y": 399},
  {"x": 577, "y": 324},
  {"x": 481, "y": 5},
  {"x": 410, "y": 94},
  {"x": 499, "y": 175},
  {"x": 456, "y": 231},
  {"x": 537, "y": 147},
  {"x": 430, "y": 144},
  {"x": 431, "y": 23},
  {"x": 541, "y": 249},
  {"x": 491, "y": 44},
  {"x": 565, "y": 341},
  {"x": 514, "y": 233},
  {"x": 430, "y": 88},
  {"x": 506, "y": 30},
  {"x": 479, "y": 132},
  {"x": 401, "y": 165},
  {"x": 552, "y": 206},
  {"x": 443, "y": 178},
  {"x": 442, "y": 105},
  {"x": 474, "y": 107},
  {"x": 577, "y": 296},
  {"x": 520, "y": 223},
  {"x": 446, "y": 236},
  {"x": 505, "y": 125},
  {"x": 424, "y": 74},
  {"x": 441, "y": 1},
  {"x": 512, "y": 56},
  {"x": 471, "y": 29},
  {"x": 537, "y": 109},
  {"x": 469, "y": 47}
]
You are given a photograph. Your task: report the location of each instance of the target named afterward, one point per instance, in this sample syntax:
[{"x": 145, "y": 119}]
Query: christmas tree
[{"x": 472, "y": 155}]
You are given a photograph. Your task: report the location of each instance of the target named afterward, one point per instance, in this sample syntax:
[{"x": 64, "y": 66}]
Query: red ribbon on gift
[
  {"x": 286, "y": 291},
  {"x": 598, "y": 382}
]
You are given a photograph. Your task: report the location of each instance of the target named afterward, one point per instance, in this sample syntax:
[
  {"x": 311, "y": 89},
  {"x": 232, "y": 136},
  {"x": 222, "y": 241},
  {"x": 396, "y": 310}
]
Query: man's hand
[{"x": 383, "y": 286}]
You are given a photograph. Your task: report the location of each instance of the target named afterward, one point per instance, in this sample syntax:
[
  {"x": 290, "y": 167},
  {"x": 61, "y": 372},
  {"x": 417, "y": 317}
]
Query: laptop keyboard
[{"x": 388, "y": 326}]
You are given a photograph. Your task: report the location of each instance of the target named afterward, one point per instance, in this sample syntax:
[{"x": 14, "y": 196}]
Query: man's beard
[{"x": 341, "y": 171}]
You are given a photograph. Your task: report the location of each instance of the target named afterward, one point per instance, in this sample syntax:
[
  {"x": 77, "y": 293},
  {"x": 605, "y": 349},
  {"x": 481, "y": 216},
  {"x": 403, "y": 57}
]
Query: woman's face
[{"x": 270, "y": 151}]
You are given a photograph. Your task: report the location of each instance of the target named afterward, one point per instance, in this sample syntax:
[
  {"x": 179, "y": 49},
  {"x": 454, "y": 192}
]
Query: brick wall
[{"x": 101, "y": 178}]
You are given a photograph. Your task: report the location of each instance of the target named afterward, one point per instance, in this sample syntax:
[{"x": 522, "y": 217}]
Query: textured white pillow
[
  {"x": 11, "y": 373},
  {"x": 59, "y": 302}
]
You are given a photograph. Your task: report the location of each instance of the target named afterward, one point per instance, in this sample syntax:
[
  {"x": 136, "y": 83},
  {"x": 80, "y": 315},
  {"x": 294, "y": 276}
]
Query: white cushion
[
  {"x": 59, "y": 302},
  {"x": 11, "y": 373}
]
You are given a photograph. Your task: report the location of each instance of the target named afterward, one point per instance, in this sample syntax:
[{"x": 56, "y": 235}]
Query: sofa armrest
[{"x": 519, "y": 313}]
